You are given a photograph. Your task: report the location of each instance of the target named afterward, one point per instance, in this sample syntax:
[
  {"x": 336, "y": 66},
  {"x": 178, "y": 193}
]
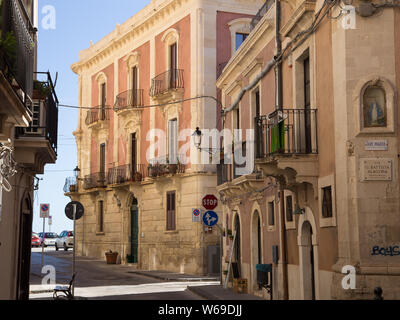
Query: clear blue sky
[{"x": 77, "y": 22}]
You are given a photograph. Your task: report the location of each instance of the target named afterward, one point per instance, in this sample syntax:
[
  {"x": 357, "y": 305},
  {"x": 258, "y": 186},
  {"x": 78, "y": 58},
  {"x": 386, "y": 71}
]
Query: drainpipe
[
  {"x": 278, "y": 68},
  {"x": 279, "y": 106}
]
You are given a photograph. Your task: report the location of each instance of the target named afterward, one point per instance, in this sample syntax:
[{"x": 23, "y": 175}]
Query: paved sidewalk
[
  {"x": 217, "y": 292},
  {"x": 171, "y": 276}
]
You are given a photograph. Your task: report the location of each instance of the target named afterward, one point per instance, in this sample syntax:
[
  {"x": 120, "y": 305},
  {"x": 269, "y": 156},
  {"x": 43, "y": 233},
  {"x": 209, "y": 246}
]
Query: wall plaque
[
  {"x": 376, "y": 169},
  {"x": 376, "y": 145}
]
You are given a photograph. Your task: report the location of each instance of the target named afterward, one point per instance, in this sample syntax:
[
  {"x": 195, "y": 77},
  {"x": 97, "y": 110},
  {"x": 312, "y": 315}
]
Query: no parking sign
[
  {"x": 44, "y": 210},
  {"x": 196, "y": 215}
]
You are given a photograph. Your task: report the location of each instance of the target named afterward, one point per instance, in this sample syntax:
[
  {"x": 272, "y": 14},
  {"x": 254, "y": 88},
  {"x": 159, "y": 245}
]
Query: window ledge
[
  {"x": 171, "y": 231},
  {"x": 100, "y": 234}
]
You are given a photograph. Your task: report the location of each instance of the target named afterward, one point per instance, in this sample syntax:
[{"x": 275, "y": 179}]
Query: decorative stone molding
[
  {"x": 241, "y": 25},
  {"x": 390, "y": 97}
]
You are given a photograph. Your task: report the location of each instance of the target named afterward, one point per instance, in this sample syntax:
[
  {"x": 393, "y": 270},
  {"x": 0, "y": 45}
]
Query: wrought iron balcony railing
[
  {"x": 96, "y": 114},
  {"x": 94, "y": 180},
  {"x": 287, "y": 132},
  {"x": 129, "y": 99},
  {"x": 71, "y": 185},
  {"x": 169, "y": 80},
  {"x": 45, "y": 114},
  {"x": 161, "y": 166},
  {"x": 261, "y": 12},
  {"x": 126, "y": 173},
  {"x": 17, "y": 56}
]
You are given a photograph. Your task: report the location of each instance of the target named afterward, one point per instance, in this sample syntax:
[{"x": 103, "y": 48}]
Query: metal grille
[{"x": 169, "y": 80}]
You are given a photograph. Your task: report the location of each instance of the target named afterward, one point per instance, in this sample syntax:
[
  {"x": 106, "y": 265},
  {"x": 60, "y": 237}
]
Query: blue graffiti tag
[{"x": 388, "y": 251}]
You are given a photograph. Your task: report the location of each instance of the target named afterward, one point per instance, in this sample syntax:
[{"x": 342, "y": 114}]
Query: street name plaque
[{"x": 376, "y": 169}]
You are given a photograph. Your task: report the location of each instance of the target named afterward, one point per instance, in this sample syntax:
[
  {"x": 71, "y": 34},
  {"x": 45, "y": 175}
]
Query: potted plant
[
  {"x": 40, "y": 89},
  {"x": 225, "y": 272},
  {"x": 229, "y": 233},
  {"x": 111, "y": 257}
]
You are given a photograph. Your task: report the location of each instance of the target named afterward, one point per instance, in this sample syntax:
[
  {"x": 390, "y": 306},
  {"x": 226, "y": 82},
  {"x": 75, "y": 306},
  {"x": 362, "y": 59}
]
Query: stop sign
[{"x": 210, "y": 202}]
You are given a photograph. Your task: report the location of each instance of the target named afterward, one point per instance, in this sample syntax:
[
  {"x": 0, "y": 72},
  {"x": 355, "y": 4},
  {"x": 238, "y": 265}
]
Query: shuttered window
[
  {"x": 101, "y": 216},
  {"x": 173, "y": 141},
  {"x": 327, "y": 202},
  {"x": 171, "y": 211},
  {"x": 289, "y": 208},
  {"x": 271, "y": 214}
]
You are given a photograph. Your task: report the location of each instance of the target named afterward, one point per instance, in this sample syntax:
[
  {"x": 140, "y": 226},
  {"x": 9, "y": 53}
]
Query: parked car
[
  {"x": 49, "y": 238},
  {"x": 35, "y": 240},
  {"x": 65, "y": 240}
]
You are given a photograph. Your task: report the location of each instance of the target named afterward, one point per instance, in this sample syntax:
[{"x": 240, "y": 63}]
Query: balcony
[
  {"x": 161, "y": 167},
  {"x": 94, "y": 180},
  {"x": 16, "y": 61},
  {"x": 71, "y": 185},
  {"x": 129, "y": 106},
  {"x": 230, "y": 184},
  {"x": 168, "y": 85},
  {"x": 98, "y": 117},
  {"x": 287, "y": 145},
  {"x": 261, "y": 12},
  {"x": 124, "y": 174},
  {"x": 40, "y": 137},
  {"x": 130, "y": 99}
]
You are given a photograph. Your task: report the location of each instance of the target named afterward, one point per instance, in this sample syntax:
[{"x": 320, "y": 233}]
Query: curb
[
  {"x": 202, "y": 294},
  {"x": 168, "y": 278}
]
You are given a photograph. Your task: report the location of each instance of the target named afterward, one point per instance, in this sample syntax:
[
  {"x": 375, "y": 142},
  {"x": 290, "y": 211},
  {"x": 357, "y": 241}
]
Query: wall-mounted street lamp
[
  {"x": 77, "y": 172},
  {"x": 197, "y": 137}
]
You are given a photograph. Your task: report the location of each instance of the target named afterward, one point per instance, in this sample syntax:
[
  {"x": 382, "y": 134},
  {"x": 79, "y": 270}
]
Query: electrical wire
[
  {"x": 306, "y": 33},
  {"x": 144, "y": 107}
]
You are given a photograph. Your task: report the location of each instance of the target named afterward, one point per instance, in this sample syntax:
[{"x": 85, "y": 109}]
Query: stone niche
[{"x": 375, "y": 106}]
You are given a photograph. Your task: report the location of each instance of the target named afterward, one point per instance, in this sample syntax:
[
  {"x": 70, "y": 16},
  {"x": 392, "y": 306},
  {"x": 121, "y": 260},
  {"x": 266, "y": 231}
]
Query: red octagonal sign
[{"x": 210, "y": 202}]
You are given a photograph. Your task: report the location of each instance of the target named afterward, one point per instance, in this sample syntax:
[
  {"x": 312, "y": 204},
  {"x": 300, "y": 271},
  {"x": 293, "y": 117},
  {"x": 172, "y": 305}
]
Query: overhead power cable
[
  {"x": 143, "y": 107},
  {"x": 306, "y": 33}
]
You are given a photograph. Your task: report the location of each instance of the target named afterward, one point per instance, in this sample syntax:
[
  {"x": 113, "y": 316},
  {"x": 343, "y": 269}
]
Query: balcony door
[
  {"x": 102, "y": 162},
  {"x": 103, "y": 102},
  {"x": 173, "y": 141},
  {"x": 173, "y": 63},
  {"x": 135, "y": 86},
  {"x": 307, "y": 106},
  {"x": 134, "y": 152}
]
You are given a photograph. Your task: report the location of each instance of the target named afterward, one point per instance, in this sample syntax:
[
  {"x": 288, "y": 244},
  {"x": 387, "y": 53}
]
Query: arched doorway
[
  {"x": 237, "y": 253},
  {"x": 256, "y": 246},
  {"x": 134, "y": 232},
  {"x": 307, "y": 261},
  {"x": 25, "y": 242}
]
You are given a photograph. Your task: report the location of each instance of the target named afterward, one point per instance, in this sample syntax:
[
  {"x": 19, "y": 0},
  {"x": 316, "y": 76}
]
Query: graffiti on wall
[{"x": 390, "y": 251}]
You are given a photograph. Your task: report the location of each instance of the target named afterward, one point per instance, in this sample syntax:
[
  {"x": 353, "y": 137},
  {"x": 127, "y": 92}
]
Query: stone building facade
[
  {"x": 28, "y": 141},
  {"x": 143, "y": 91},
  {"x": 323, "y": 198}
]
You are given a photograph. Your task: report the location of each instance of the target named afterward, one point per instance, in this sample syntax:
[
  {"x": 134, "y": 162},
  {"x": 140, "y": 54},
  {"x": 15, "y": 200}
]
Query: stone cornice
[
  {"x": 304, "y": 7},
  {"x": 132, "y": 28}
]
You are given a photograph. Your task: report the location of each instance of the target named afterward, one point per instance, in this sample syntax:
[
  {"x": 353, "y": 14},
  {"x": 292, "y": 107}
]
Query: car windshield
[{"x": 51, "y": 235}]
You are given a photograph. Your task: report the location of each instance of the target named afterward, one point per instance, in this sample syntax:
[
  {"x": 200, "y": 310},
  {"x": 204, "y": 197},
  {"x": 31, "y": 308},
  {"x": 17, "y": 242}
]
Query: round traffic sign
[
  {"x": 210, "y": 202},
  {"x": 69, "y": 210},
  {"x": 196, "y": 212},
  {"x": 44, "y": 207},
  {"x": 210, "y": 218}
]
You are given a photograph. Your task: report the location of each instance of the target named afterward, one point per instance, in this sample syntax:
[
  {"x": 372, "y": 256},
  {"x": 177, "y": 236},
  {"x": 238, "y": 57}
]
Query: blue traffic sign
[{"x": 210, "y": 218}]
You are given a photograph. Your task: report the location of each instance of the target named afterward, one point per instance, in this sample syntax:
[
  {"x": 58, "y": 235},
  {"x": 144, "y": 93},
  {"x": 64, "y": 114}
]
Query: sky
[{"x": 77, "y": 22}]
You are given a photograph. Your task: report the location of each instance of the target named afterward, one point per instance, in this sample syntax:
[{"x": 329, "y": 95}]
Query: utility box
[{"x": 213, "y": 260}]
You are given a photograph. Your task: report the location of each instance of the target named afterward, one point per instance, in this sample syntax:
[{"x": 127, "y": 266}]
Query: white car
[
  {"x": 49, "y": 239},
  {"x": 65, "y": 240}
]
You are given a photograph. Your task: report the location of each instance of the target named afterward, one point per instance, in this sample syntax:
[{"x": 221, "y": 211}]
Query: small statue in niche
[
  {"x": 376, "y": 115},
  {"x": 374, "y": 107}
]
